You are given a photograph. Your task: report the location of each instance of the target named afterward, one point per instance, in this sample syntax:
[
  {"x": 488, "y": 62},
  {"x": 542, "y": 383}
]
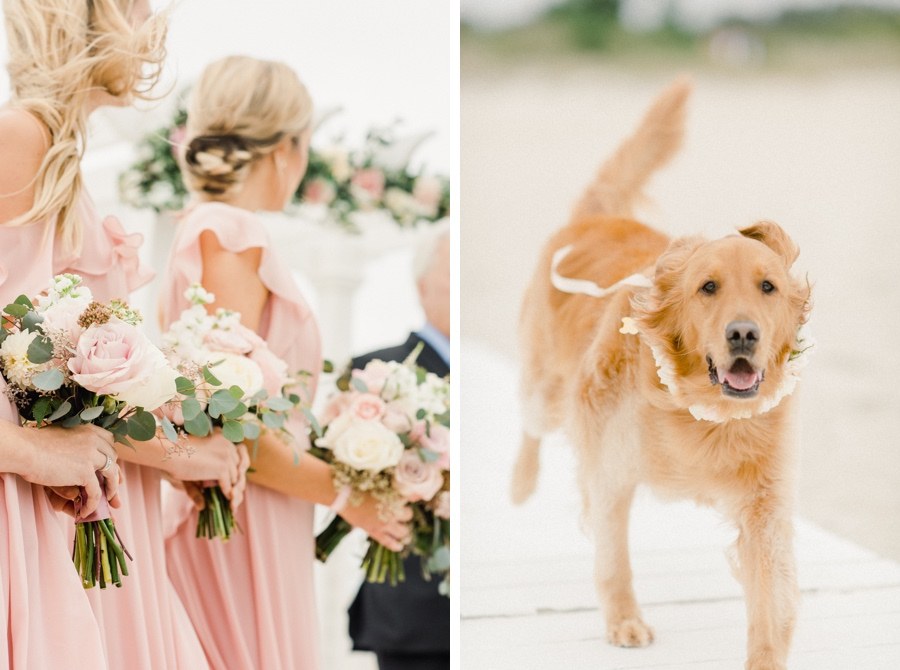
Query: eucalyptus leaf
[
  {"x": 313, "y": 421},
  {"x": 359, "y": 384},
  {"x": 142, "y": 426},
  {"x": 16, "y": 310},
  {"x": 71, "y": 422},
  {"x": 60, "y": 411},
  {"x": 40, "y": 350},
  {"x": 236, "y": 391},
  {"x": 184, "y": 386},
  {"x": 4, "y": 333},
  {"x": 31, "y": 320},
  {"x": 91, "y": 413},
  {"x": 109, "y": 420},
  {"x": 327, "y": 366},
  {"x": 239, "y": 410},
  {"x": 49, "y": 380},
  {"x": 41, "y": 408},
  {"x": 420, "y": 376},
  {"x": 421, "y": 414},
  {"x": 279, "y": 404},
  {"x": 428, "y": 456},
  {"x": 233, "y": 431},
  {"x": 121, "y": 439},
  {"x": 169, "y": 430},
  {"x": 24, "y": 300},
  {"x": 440, "y": 560},
  {"x": 210, "y": 377},
  {"x": 251, "y": 430},
  {"x": 199, "y": 426},
  {"x": 273, "y": 421},
  {"x": 190, "y": 408},
  {"x": 221, "y": 402}
]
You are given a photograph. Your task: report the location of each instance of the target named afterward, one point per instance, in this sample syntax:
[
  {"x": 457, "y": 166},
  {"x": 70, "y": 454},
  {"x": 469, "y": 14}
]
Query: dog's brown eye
[
  {"x": 709, "y": 287},
  {"x": 768, "y": 287}
]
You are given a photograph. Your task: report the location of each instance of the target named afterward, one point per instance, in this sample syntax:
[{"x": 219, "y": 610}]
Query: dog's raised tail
[{"x": 618, "y": 184}]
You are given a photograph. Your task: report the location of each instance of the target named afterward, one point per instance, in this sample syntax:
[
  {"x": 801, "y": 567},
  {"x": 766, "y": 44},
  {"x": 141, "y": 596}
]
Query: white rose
[
  {"x": 14, "y": 354},
  {"x": 63, "y": 315},
  {"x": 237, "y": 370},
  {"x": 339, "y": 161},
  {"x": 156, "y": 389},
  {"x": 368, "y": 445}
]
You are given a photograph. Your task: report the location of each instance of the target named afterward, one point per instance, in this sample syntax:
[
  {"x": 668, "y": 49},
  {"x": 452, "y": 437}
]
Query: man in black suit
[{"x": 408, "y": 625}]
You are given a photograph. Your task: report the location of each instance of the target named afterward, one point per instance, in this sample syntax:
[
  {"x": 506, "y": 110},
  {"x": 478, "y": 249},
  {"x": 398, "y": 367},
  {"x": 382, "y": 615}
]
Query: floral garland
[{"x": 339, "y": 181}]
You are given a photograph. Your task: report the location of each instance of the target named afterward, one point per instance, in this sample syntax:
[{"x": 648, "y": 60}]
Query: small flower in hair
[{"x": 213, "y": 162}]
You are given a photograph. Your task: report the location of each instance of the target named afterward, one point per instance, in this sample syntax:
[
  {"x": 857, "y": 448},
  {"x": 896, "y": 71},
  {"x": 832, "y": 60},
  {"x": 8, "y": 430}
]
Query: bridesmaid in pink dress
[
  {"x": 143, "y": 624},
  {"x": 251, "y": 598},
  {"x": 93, "y": 56}
]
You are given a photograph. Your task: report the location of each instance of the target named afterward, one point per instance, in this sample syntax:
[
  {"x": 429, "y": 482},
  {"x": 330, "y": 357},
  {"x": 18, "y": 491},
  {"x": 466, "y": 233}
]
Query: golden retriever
[{"x": 680, "y": 377}]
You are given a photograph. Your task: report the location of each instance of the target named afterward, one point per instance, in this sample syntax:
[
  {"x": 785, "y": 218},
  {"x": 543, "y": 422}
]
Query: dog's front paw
[
  {"x": 629, "y": 633},
  {"x": 765, "y": 660}
]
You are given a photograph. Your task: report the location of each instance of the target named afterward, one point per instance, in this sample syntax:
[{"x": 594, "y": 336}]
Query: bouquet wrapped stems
[
  {"x": 380, "y": 563},
  {"x": 99, "y": 553},
  {"x": 216, "y": 518}
]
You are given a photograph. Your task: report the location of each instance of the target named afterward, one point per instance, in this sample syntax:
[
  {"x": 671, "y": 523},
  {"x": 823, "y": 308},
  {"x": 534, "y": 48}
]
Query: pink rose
[
  {"x": 319, "y": 192},
  {"x": 437, "y": 440},
  {"x": 367, "y": 185},
  {"x": 368, "y": 407},
  {"x": 442, "y": 505},
  {"x": 415, "y": 479},
  {"x": 335, "y": 407},
  {"x": 396, "y": 419},
  {"x": 428, "y": 192},
  {"x": 374, "y": 375},
  {"x": 116, "y": 359},
  {"x": 228, "y": 341},
  {"x": 273, "y": 368}
]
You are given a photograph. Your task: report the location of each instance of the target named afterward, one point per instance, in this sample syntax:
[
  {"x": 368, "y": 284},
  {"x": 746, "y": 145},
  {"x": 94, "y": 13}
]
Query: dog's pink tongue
[{"x": 741, "y": 376}]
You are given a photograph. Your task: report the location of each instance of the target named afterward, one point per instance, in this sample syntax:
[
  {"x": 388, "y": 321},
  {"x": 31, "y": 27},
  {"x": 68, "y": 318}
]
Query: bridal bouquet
[
  {"x": 70, "y": 360},
  {"x": 230, "y": 379},
  {"x": 387, "y": 434}
]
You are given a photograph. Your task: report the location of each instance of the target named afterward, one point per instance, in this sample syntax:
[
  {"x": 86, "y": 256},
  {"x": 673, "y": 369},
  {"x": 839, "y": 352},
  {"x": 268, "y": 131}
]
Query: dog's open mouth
[{"x": 741, "y": 380}]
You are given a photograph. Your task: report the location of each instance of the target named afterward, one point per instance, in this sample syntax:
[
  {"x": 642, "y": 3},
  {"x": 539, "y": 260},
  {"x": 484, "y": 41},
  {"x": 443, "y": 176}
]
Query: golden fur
[{"x": 603, "y": 386}]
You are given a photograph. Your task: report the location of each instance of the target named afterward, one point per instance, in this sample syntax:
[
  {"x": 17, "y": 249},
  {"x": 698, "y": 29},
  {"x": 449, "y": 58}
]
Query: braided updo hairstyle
[{"x": 239, "y": 111}]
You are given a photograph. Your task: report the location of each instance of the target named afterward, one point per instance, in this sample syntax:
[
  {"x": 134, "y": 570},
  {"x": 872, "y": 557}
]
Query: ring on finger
[{"x": 107, "y": 465}]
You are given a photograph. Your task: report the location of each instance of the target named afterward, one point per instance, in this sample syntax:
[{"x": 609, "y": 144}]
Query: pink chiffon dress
[
  {"x": 251, "y": 598},
  {"x": 44, "y": 611},
  {"x": 143, "y": 624}
]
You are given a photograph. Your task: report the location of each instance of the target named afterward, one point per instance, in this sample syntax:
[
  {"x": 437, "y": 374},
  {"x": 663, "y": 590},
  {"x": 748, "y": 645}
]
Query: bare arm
[
  {"x": 279, "y": 467},
  {"x": 234, "y": 280},
  {"x": 23, "y": 144}
]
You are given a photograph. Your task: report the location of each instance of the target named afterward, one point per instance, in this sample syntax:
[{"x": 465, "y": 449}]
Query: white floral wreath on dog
[{"x": 798, "y": 359}]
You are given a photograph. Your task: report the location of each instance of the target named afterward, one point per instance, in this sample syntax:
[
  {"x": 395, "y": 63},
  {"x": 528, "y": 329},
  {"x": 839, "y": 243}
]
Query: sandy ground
[{"x": 819, "y": 153}]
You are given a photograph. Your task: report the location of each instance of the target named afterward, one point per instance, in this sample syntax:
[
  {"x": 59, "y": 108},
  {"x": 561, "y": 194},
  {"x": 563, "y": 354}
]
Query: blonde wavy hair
[
  {"x": 239, "y": 110},
  {"x": 59, "y": 52}
]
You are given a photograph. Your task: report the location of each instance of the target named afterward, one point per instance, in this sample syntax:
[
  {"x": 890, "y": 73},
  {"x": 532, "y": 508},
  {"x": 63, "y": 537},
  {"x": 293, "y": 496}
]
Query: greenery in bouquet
[
  {"x": 230, "y": 380},
  {"x": 70, "y": 360},
  {"x": 386, "y": 433},
  {"x": 339, "y": 181}
]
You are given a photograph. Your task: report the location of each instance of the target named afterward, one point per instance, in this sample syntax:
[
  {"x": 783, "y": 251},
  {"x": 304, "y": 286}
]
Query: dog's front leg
[
  {"x": 609, "y": 510},
  {"x": 768, "y": 573}
]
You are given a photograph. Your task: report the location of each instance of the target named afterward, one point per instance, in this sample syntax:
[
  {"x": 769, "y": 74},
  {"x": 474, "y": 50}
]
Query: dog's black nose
[{"x": 742, "y": 336}]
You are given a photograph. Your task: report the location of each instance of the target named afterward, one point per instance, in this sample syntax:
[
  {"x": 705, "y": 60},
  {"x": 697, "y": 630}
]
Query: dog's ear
[
  {"x": 774, "y": 237},
  {"x": 672, "y": 261}
]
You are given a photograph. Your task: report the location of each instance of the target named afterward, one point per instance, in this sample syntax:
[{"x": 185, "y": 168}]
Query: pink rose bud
[
  {"x": 415, "y": 479},
  {"x": 368, "y": 407}
]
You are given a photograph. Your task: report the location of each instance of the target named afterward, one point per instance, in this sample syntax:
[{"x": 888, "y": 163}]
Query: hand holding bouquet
[
  {"x": 69, "y": 360},
  {"x": 229, "y": 379},
  {"x": 387, "y": 434}
]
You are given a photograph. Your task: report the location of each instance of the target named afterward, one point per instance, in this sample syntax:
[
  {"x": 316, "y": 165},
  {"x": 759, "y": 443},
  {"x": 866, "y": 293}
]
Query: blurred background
[
  {"x": 366, "y": 65},
  {"x": 793, "y": 118}
]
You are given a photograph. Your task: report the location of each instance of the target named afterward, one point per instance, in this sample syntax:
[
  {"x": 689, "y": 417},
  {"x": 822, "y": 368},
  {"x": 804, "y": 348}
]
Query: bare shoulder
[{"x": 24, "y": 142}]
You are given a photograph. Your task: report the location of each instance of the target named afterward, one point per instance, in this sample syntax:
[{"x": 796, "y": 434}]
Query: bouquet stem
[
  {"x": 380, "y": 564},
  {"x": 99, "y": 554},
  {"x": 216, "y": 518},
  {"x": 328, "y": 540}
]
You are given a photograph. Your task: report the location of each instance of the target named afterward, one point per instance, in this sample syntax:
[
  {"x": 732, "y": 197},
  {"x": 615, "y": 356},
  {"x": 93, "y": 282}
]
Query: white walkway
[{"x": 528, "y": 599}]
